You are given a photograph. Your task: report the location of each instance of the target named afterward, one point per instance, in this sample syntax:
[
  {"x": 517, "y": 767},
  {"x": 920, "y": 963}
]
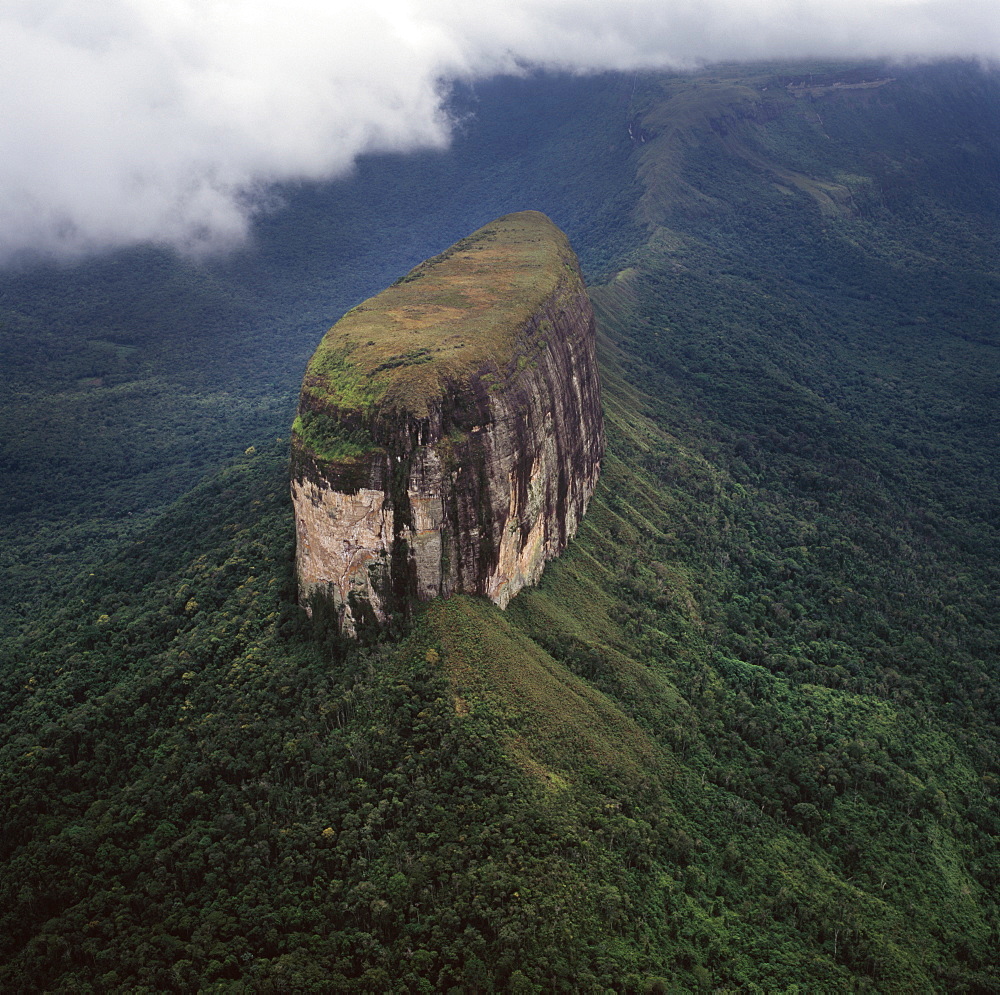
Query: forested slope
[{"x": 745, "y": 732}]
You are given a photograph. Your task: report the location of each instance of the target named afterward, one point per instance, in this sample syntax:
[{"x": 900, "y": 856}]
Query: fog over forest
[{"x": 134, "y": 121}]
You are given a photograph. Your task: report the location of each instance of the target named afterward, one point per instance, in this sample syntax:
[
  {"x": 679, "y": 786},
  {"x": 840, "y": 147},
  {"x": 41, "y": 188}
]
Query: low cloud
[{"x": 168, "y": 120}]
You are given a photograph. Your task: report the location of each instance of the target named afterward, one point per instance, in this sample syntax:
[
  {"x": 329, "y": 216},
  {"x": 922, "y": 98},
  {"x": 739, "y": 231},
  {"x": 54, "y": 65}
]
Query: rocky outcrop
[{"x": 449, "y": 433}]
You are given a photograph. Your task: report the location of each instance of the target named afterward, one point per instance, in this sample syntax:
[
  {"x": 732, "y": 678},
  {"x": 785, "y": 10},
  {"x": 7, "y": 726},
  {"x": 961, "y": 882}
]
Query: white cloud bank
[{"x": 164, "y": 120}]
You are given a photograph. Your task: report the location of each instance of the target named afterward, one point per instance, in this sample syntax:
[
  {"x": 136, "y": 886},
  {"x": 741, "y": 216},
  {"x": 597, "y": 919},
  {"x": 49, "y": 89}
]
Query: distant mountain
[{"x": 744, "y": 734}]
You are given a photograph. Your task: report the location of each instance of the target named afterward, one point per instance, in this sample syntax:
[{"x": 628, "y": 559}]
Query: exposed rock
[{"x": 449, "y": 434}]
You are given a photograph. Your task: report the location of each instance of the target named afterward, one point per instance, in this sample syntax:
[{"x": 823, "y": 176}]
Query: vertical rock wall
[{"x": 472, "y": 494}]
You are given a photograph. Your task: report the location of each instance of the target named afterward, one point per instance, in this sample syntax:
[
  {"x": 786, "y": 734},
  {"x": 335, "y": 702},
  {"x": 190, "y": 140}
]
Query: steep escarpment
[{"x": 449, "y": 432}]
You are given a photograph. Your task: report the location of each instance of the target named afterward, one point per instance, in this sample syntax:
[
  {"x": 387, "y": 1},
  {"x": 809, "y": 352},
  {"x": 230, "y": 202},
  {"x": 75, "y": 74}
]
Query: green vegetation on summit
[{"x": 460, "y": 313}]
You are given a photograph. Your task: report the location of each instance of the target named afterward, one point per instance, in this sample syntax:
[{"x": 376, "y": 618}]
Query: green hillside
[{"x": 743, "y": 736}]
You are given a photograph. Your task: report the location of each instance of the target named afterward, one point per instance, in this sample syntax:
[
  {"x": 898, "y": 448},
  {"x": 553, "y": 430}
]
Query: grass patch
[
  {"x": 557, "y": 723},
  {"x": 330, "y": 439}
]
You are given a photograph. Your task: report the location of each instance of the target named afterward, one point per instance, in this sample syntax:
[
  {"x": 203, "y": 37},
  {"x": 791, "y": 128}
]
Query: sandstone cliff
[{"x": 449, "y": 433}]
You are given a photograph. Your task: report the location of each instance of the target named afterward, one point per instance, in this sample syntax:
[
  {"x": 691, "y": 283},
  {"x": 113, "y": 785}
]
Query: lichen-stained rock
[{"x": 449, "y": 432}]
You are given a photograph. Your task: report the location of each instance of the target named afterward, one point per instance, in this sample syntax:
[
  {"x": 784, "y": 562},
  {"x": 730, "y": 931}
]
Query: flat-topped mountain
[{"x": 449, "y": 433}]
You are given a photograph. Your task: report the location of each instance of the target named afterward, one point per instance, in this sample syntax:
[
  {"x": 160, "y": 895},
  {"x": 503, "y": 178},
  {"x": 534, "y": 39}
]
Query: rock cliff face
[{"x": 449, "y": 433}]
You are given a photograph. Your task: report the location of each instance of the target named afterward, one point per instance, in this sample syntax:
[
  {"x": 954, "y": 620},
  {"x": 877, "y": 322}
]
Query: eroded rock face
[{"x": 450, "y": 436}]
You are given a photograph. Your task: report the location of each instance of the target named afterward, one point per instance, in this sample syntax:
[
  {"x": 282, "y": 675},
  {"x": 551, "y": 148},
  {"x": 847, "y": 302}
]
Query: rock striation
[{"x": 449, "y": 433}]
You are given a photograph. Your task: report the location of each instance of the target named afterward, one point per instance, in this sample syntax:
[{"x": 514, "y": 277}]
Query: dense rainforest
[{"x": 745, "y": 734}]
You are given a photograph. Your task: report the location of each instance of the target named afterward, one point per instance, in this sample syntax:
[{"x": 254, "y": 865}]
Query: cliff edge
[{"x": 449, "y": 432}]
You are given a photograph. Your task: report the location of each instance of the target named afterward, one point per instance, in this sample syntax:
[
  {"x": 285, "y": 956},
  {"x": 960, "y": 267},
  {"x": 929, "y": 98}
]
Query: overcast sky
[{"x": 165, "y": 120}]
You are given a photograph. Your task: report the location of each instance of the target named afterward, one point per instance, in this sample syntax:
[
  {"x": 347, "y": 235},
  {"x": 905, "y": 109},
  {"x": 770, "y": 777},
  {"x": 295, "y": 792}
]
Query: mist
[{"x": 170, "y": 121}]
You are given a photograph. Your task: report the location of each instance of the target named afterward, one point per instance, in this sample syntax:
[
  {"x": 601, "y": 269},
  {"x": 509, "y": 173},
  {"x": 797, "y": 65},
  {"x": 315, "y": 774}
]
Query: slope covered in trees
[{"x": 745, "y": 733}]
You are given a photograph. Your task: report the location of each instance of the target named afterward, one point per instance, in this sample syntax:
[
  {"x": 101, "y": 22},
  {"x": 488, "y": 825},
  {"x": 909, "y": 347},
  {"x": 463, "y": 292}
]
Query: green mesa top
[{"x": 456, "y": 314}]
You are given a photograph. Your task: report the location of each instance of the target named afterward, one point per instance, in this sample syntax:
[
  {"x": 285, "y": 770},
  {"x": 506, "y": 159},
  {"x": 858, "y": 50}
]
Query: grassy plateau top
[{"x": 454, "y": 315}]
